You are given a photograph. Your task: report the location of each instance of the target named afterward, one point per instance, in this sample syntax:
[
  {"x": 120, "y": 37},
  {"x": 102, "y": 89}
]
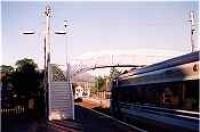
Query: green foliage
[
  {"x": 26, "y": 80},
  {"x": 27, "y": 83},
  {"x": 6, "y": 69},
  {"x": 25, "y": 65},
  {"x": 58, "y": 74},
  {"x": 114, "y": 73},
  {"x": 100, "y": 83},
  {"x": 6, "y": 76}
]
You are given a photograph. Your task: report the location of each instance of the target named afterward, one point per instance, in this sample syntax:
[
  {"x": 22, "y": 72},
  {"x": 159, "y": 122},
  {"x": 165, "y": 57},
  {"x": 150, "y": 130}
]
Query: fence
[{"x": 16, "y": 113}]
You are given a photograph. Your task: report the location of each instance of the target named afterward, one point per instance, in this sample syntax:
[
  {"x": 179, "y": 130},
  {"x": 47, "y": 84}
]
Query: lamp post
[
  {"x": 64, "y": 32},
  {"x": 28, "y": 32},
  {"x": 47, "y": 59},
  {"x": 46, "y": 80},
  {"x": 68, "y": 70}
]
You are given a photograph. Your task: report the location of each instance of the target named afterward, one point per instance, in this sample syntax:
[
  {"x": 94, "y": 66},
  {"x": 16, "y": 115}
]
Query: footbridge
[
  {"x": 86, "y": 69},
  {"x": 118, "y": 58}
]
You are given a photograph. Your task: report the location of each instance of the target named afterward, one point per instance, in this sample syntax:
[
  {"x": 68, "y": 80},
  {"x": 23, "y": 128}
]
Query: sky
[{"x": 94, "y": 27}]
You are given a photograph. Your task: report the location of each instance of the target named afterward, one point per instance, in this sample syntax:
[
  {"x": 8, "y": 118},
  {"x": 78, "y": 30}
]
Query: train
[{"x": 164, "y": 94}]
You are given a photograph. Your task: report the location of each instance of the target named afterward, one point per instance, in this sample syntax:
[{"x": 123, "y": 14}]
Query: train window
[
  {"x": 121, "y": 95},
  {"x": 151, "y": 95},
  {"x": 171, "y": 95},
  {"x": 178, "y": 95},
  {"x": 191, "y": 100}
]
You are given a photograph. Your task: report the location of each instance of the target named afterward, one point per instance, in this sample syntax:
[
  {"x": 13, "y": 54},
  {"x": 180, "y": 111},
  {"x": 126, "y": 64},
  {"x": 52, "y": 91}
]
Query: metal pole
[
  {"x": 47, "y": 57},
  {"x": 47, "y": 12},
  {"x": 192, "y": 30},
  {"x": 68, "y": 69},
  {"x": 67, "y": 63},
  {"x": 46, "y": 79},
  {"x": 45, "y": 84}
]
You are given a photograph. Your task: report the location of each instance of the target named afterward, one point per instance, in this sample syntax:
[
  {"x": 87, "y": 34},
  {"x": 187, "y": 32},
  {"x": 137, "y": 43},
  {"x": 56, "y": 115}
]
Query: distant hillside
[
  {"x": 122, "y": 57},
  {"x": 84, "y": 77}
]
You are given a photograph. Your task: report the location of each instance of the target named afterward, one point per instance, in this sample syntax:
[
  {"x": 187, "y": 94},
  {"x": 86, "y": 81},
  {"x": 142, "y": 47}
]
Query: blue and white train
[{"x": 164, "y": 94}]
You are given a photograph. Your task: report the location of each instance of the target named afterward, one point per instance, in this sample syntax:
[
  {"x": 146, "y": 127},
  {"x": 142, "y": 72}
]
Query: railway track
[
  {"x": 64, "y": 126},
  {"x": 89, "y": 120}
]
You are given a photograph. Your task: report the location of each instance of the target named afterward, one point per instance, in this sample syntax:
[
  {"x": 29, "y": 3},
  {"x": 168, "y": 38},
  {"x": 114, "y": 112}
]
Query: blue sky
[{"x": 94, "y": 26}]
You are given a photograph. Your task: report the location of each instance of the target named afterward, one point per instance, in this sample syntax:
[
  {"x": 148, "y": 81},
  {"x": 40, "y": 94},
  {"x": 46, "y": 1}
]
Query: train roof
[{"x": 187, "y": 58}]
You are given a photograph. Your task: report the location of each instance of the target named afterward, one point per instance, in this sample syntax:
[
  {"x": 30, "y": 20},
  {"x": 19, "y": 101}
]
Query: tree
[
  {"x": 25, "y": 65},
  {"x": 7, "y": 88},
  {"x": 6, "y": 73},
  {"x": 28, "y": 84},
  {"x": 114, "y": 73},
  {"x": 26, "y": 79},
  {"x": 99, "y": 83},
  {"x": 58, "y": 74},
  {"x": 6, "y": 69}
]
